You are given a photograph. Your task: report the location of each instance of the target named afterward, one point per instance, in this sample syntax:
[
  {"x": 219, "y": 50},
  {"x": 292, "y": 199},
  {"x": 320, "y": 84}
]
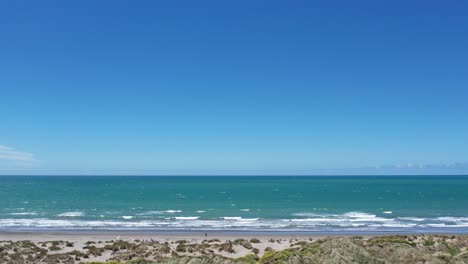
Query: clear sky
[{"x": 233, "y": 87}]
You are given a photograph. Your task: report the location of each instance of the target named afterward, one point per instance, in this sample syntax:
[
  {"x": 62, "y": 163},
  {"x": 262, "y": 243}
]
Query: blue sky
[{"x": 233, "y": 87}]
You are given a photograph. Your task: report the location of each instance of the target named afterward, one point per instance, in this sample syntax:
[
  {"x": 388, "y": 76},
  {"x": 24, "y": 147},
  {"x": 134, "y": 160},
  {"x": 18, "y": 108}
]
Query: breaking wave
[
  {"x": 301, "y": 222},
  {"x": 71, "y": 214}
]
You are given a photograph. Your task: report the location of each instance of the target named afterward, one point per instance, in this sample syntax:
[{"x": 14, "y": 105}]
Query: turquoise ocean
[{"x": 294, "y": 204}]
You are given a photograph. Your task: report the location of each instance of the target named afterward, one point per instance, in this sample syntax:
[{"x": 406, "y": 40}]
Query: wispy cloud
[{"x": 8, "y": 153}]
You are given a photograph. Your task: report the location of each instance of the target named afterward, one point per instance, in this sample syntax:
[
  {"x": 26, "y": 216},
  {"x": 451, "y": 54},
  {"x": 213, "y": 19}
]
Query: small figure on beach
[{"x": 206, "y": 234}]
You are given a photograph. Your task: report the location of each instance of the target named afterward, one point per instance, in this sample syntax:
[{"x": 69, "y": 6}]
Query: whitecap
[
  {"x": 249, "y": 219},
  {"x": 24, "y": 213},
  {"x": 173, "y": 211},
  {"x": 231, "y": 218},
  {"x": 319, "y": 220},
  {"x": 127, "y": 217},
  {"x": 151, "y": 213},
  {"x": 365, "y": 217},
  {"x": 359, "y": 215},
  {"x": 71, "y": 214},
  {"x": 201, "y": 211},
  {"x": 304, "y": 214},
  {"x": 187, "y": 217},
  {"x": 415, "y": 219},
  {"x": 387, "y": 212},
  {"x": 244, "y": 210},
  {"x": 452, "y": 219}
]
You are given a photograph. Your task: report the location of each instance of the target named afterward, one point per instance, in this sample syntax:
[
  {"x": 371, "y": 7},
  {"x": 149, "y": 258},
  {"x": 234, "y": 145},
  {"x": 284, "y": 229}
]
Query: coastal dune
[{"x": 19, "y": 248}]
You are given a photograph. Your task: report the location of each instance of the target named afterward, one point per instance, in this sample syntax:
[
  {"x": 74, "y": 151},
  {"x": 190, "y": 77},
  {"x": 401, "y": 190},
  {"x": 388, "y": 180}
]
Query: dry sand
[{"x": 79, "y": 239}]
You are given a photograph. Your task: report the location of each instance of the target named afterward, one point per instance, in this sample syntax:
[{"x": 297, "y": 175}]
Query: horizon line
[{"x": 227, "y": 175}]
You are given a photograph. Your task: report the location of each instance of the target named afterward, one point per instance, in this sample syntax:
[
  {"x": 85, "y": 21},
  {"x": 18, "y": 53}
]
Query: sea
[{"x": 238, "y": 204}]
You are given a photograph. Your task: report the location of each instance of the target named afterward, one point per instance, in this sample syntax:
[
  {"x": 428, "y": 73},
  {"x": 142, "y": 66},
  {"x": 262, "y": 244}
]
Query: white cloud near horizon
[{"x": 11, "y": 154}]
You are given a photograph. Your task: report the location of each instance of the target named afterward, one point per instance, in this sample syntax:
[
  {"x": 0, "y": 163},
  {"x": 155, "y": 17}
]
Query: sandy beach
[
  {"x": 35, "y": 247},
  {"x": 81, "y": 240}
]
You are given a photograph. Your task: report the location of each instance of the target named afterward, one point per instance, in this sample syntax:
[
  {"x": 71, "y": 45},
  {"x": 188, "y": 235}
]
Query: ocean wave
[
  {"x": 71, "y": 214},
  {"x": 350, "y": 216},
  {"x": 232, "y": 223},
  {"x": 186, "y": 217},
  {"x": 238, "y": 218},
  {"x": 231, "y": 218},
  {"x": 303, "y": 214},
  {"x": 249, "y": 219},
  {"x": 173, "y": 211},
  {"x": 358, "y": 214},
  {"x": 349, "y": 222},
  {"x": 415, "y": 219},
  {"x": 453, "y": 219},
  {"x": 151, "y": 213},
  {"x": 24, "y": 213},
  {"x": 364, "y": 217}
]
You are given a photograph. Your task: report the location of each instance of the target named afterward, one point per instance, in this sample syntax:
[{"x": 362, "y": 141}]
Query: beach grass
[{"x": 267, "y": 249}]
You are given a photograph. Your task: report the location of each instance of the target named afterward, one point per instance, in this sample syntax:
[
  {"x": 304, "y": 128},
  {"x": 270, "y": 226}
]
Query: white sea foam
[
  {"x": 232, "y": 218},
  {"x": 201, "y": 211},
  {"x": 304, "y": 214},
  {"x": 24, "y": 213},
  {"x": 350, "y": 218},
  {"x": 236, "y": 223},
  {"x": 151, "y": 213},
  {"x": 371, "y": 221},
  {"x": 453, "y": 219},
  {"x": 173, "y": 211},
  {"x": 187, "y": 217},
  {"x": 160, "y": 212},
  {"x": 359, "y": 215},
  {"x": 364, "y": 217},
  {"x": 351, "y": 222},
  {"x": 244, "y": 210},
  {"x": 127, "y": 217},
  {"x": 71, "y": 214},
  {"x": 415, "y": 219},
  {"x": 387, "y": 212},
  {"x": 248, "y": 220}
]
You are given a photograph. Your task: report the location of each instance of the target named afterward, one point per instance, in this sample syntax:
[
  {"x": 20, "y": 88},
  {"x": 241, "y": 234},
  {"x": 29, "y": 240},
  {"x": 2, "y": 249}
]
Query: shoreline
[
  {"x": 230, "y": 233},
  {"x": 60, "y": 235}
]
